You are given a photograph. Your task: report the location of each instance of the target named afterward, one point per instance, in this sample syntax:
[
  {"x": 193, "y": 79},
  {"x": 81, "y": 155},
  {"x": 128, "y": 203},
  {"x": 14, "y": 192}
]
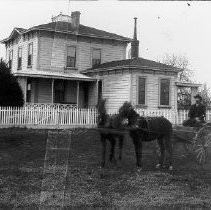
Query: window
[
  {"x": 96, "y": 57},
  {"x": 10, "y": 58},
  {"x": 142, "y": 91},
  {"x": 28, "y": 90},
  {"x": 19, "y": 58},
  {"x": 59, "y": 91},
  {"x": 71, "y": 56},
  {"x": 164, "y": 92},
  {"x": 30, "y": 52}
]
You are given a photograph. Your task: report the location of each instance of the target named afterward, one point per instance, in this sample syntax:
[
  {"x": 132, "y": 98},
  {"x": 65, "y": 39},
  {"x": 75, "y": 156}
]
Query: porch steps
[{"x": 55, "y": 169}]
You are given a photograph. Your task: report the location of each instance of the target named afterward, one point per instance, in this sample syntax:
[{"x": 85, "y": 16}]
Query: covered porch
[
  {"x": 73, "y": 89},
  {"x": 191, "y": 87}
]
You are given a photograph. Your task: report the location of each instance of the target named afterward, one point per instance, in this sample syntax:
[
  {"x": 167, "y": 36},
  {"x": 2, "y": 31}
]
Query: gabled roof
[
  {"x": 15, "y": 32},
  {"x": 65, "y": 27},
  {"x": 139, "y": 63}
]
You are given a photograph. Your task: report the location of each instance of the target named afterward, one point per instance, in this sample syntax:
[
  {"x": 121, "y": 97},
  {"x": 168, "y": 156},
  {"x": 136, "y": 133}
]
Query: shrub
[{"x": 10, "y": 90}]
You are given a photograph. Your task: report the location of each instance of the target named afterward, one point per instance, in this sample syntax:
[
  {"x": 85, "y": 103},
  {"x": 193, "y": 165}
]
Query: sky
[{"x": 181, "y": 28}]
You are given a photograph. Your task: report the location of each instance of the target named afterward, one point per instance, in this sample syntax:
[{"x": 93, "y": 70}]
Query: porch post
[
  {"x": 78, "y": 89},
  {"x": 25, "y": 89},
  {"x": 193, "y": 93},
  {"x": 97, "y": 92},
  {"x": 52, "y": 91}
]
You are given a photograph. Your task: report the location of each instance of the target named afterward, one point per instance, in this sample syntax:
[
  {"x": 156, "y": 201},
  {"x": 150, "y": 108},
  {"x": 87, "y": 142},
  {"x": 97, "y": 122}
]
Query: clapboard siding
[
  {"x": 116, "y": 89},
  {"x": 20, "y": 42},
  {"x": 153, "y": 89},
  {"x": 52, "y": 52}
]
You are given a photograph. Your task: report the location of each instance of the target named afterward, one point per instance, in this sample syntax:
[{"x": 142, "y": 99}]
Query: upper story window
[
  {"x": 142, "y": 91},
  {"x": 10, "y": 58},
  {"x": 19, "y": 58},
  {"x": 30, "y": 53},
  {"x": 165, "y": 92},
  {"x": 96, "y": 57},
  {"x": 71, "y": 56}
]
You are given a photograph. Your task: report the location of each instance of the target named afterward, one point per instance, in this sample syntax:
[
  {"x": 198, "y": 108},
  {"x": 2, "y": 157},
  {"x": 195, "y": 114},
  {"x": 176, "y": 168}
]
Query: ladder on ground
[{"x": 55, "y": 168}]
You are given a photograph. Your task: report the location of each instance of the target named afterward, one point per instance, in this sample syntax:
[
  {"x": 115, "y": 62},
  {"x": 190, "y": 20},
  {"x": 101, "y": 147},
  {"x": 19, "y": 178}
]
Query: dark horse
[
  {"x": 106, "y": 123},
  {"x": 148, "y": 129}
]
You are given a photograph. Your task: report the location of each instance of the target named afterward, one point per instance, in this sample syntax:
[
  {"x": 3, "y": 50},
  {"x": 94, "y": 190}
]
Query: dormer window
[
  {"x": 96, "y": 57},
  {"x": 30, "y": 53},
  {"x": 19, "y": 58},
  {"x": 71, "y": 56},
  {"x": 10, "y": 59}
]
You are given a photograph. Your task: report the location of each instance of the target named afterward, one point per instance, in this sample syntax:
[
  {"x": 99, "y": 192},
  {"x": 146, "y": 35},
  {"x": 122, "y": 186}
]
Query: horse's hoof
[
  {"x": 158, "y": 166},
  {"x": 170, "y": 168},
  {"x": 102, "y": 165},
  {"x": 139, "y": 169}
]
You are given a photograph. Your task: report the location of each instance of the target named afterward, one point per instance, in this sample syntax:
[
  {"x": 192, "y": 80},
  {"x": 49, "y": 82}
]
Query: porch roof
[
  {"x": 54, "y": 75},
  {"x": 187, "y": 84}
]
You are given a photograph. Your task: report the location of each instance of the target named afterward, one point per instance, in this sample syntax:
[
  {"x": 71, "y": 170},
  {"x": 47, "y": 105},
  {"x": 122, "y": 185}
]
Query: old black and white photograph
[{"x": 105, "y": 104}]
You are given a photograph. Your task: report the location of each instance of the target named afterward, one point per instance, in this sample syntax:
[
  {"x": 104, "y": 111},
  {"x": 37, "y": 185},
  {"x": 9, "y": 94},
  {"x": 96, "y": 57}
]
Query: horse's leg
[
  {"x": 168, "y": 145},
  {"x": 103, "y": 140},
  {"x": 162, "y": 151},
  {"x": 121, "y": 138},
  {"x": 112, "y": 152},
  {"x": 138, "y": 150},
  {"x": 139, "y": 153}
]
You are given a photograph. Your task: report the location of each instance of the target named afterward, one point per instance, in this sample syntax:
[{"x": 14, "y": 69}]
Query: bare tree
[
  {"x": 186, "y": 75},
  {"x": 206, "y": 95}
]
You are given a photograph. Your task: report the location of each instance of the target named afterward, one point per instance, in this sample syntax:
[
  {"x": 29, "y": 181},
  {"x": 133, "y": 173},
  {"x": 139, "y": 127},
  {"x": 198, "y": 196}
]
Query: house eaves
[
  {"x": 129, "y": 67},
  {"x": 54, "y": 75}
]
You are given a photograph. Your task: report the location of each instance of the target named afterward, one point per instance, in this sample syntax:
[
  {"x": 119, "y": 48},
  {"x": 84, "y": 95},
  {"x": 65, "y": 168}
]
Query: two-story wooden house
[
  {"x": 68, "y": 63},
  {"x": 48, "y": 59}
]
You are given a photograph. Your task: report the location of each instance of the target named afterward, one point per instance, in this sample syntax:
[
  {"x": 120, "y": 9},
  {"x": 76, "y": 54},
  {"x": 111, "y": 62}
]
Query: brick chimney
[
  {"x": 135, "y": 42},
  {"x": 75, "y": 20}
]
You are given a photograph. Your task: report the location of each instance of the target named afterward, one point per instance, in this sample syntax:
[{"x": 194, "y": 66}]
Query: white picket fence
[
  {"x": 41, "y": 116},
  {"x": 67, "y": 116},
  {"x": 175, "y": 116}
]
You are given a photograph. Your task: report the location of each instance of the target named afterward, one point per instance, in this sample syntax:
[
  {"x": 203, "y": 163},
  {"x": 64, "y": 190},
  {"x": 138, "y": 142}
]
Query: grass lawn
[{"x": 87, "y": 185}]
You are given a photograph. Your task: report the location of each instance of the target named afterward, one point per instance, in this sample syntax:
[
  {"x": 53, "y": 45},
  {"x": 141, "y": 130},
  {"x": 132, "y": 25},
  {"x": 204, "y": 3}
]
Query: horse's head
[
  {"x": 128, "y": 114},
  {"x": 102, "y": 114}
]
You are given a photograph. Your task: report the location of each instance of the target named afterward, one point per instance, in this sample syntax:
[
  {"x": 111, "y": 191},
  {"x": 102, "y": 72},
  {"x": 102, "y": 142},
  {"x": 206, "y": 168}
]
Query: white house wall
[
  {"x": 116, "y": 89},
  {"x": 19, "y": 42},
  {"x": 52, "y": 52},
  {"x": 153, "y": 89}
]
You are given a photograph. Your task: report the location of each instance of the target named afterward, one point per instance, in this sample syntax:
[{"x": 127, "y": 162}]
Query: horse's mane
[
  {"x": 108, "y": 121},
  {"x": 152, "y": 124}
]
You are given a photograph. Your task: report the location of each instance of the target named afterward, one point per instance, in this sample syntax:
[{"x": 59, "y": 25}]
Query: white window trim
[
  {"x": 20, "y": 47},
  {"x": 76, "y": 56},
  {"x": 137, "y": 90},
  {"x": 159, "y": 94},
  {"x": 91, "y": 54},
  {"x": 29, "y": 66}
]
